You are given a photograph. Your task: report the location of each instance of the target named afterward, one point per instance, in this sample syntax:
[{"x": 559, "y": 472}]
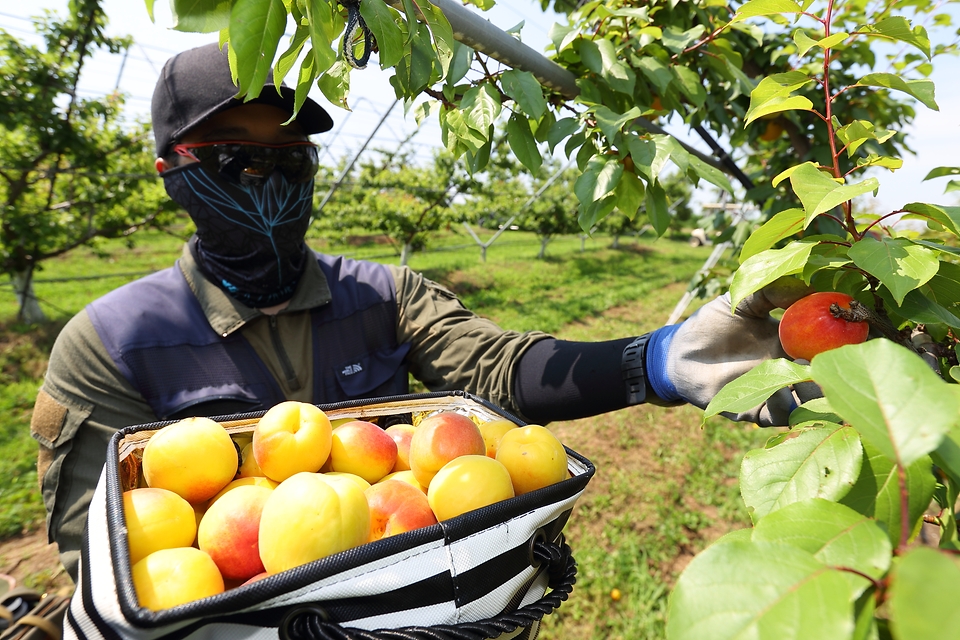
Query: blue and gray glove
[{"x": 693, "y": 360}]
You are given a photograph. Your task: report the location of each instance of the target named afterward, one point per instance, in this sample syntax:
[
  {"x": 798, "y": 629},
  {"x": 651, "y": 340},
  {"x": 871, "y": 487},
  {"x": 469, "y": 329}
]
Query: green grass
[{"x": 665, "y": 487}]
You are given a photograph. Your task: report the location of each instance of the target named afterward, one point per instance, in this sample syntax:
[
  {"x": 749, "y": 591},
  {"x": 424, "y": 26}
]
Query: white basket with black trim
[{"x": 493, "y": 572}]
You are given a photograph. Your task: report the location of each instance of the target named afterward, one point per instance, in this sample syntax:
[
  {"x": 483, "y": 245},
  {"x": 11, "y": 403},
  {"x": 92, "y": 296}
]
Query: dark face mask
[{"x": 249, "y": 237}]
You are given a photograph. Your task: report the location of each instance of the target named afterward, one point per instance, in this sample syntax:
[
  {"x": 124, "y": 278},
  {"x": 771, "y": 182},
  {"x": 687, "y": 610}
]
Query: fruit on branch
[{"x": 814, "y": 324}]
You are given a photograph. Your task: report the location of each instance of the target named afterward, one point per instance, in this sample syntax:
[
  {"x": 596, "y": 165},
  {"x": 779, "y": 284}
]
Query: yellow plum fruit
[
  {"x": 467, "y": 483},
  {"x": 364, "y": 449},
  {"x": 397, "y": 507},
  {"x": 492, "y": 431},
  {"x": 230, "y": 531},
  {"x": 405, "y": 476},
  {"x": 258, "y": 481},
  {"x": 291, "y": 437},
  {"x": 194, "y": 458},
  {"x": 439, "y": 439},
  {"x": 171, "y": 577},
  {"x": 310, "y": 516},
  {"x": 157, "y": 519},
  {"x": 534, "y": 457},
  {"x": 402, "y": 434}
]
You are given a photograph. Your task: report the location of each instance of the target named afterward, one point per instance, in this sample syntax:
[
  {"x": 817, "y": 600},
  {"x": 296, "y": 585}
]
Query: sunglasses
[{"x": 251, "y": 163}]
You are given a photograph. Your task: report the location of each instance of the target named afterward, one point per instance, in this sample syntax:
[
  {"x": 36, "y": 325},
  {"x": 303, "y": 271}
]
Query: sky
[{"x": 935, "y": 136}]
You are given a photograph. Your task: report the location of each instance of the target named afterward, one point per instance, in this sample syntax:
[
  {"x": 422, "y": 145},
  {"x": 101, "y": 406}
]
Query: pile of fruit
[{"x": 302, "y": 489}]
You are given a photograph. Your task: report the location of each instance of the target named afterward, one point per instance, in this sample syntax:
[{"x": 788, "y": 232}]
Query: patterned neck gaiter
[{"x": 249, "y": 238}]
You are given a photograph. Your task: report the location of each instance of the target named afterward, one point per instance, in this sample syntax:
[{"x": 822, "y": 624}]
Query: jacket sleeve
[
  {"x": 453, "y": 348},
  {"x": 83, "y": 401}
]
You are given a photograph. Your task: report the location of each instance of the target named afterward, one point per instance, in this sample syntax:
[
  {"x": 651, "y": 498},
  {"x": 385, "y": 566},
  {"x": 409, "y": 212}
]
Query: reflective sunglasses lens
[{"x": 251, "y": 164}]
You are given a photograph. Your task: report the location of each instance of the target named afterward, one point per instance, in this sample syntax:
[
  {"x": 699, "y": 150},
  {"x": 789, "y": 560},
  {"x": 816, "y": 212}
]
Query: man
[{"x": 249, "y": 316}]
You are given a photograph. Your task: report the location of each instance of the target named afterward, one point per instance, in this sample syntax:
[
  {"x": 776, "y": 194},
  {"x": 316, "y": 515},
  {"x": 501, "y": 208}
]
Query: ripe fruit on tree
[{"x": 808, "y": 327}]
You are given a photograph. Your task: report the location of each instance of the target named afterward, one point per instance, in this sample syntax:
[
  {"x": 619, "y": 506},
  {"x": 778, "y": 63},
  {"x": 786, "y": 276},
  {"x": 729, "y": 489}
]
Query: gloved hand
[{"x": 693, "y": 360}]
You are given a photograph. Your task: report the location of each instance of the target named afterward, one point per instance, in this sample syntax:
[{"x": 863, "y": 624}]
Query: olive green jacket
[{"x": 85, "y": 398}]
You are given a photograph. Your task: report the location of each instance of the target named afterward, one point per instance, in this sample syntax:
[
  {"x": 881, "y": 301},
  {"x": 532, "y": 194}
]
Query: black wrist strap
[{"x": 633, "y": 370}]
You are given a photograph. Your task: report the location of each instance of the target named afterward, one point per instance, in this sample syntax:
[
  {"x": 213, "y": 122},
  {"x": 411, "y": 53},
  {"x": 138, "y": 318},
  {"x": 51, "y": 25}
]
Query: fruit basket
[{"x": 491, "y": 572}]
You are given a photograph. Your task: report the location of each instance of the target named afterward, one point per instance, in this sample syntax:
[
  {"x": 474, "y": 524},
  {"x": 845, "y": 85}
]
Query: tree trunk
[
  {"x": 583, "y": 243},
  {"x": 30, "y": 311},
  {"x": 405, "y": 253},
  {"x": 543, "y": 247},
  {"x": 616, "y": 241}
]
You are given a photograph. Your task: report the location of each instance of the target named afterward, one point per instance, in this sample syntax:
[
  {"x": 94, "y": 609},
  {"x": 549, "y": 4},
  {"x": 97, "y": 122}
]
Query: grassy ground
[{"x": 664, "y": 488}]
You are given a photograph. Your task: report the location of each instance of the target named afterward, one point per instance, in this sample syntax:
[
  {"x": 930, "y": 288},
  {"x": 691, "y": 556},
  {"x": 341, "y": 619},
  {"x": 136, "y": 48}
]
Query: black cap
[{"x": 197, "y": 84}]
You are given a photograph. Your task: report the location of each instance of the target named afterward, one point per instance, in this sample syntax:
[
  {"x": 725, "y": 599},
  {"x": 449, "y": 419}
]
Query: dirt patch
[{"x": 33, "y": 562}]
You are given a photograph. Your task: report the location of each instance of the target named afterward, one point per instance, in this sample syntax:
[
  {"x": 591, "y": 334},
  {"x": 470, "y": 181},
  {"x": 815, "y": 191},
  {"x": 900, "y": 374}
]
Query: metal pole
[
  {"x": 483, "y": 36},
  {"x": 353, "y": 161}
]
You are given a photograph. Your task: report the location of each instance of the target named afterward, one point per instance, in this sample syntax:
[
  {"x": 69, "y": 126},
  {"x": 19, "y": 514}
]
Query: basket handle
[{"x": 310, "y": 622}]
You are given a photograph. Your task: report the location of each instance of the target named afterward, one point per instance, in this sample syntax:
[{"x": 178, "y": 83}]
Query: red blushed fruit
[{"x": 808, "y": 327}]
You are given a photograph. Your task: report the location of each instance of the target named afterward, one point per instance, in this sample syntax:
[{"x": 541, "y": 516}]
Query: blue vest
[{"x": 159, "y": 338}]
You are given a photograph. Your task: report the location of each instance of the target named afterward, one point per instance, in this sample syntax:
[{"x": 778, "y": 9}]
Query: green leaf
[
  {"x": 322, "y": 35},
  {"x": 898, "y": 28},
  {"x": 818, "y": 409},
  {"x": 803, "y": 41},
  {"x": 773, "y": 95},
  {"x": 610, "y": 122},
  {"x": 761, "y": 269},
  {"x": 821, "y": 460},
  {"x": 742, "y": 589},
  {"x": 598, "y": 179},
  {"x": 644, "y": 155},
  {"x": 857, "y": 132},
  {"x": 462, "y": 59},
  {"x": 916, "y": 306},
  {"x": 381, "y": 21},
  {"x": 590, "y": 55},
  {"x": 618, "y": 74},
  {"x": 676, "y": 40},
  {"x": 923, "y": 585},
  {"x": 922, "y": 90},
  {"x": 877, "y": 491},
  {"x": 874, "y": 160},
  {"x": 289, "y": 57},
  {"x": 898, "y": 263},
  {"x": 656, "y": 72},
  {"x": 782, "y": 225},
  {"x": 335, "y": 83},
  {"x": 658, "y": 212},
  {"x": 904, "y": 415},
  {"x": 691, "y": 85},
  {"x": 480, "y": 106},
  {"x": 756, "y": 386},
  {"x": 948, "y": 217},
  {"x": 940, "y": 172},
  {"x": 524, "y": 146},
  {"x": 947, "y": 455},
  {"x": 256, "y": 27},
  {"x": 561, "y": 129},
  {"x": 307, "y": 75},
  {"x": 630, "y": 193},
  {"x": 820, "y": 193},
  {"x": 523, "y": 87},
  {"x": 198, "y": 16},
  {"x": 442, "y": 34},
  {"x": 710, "y": 173},
  {"x": 835, "y": 534},
  {"x": 755, "y": 8}
]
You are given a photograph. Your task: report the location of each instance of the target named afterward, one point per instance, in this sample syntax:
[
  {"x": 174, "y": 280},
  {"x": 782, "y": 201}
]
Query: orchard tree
[
  {"x": 837, "y": 500},
  {"x": 391, "y": 194},
  {"x": 70, "y": 172}
]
